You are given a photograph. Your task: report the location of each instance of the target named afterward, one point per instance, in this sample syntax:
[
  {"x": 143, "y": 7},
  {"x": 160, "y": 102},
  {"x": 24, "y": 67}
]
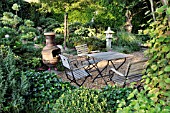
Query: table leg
[
  {"x": 117, "y": 67},
  {"x": 100, "y": 75},
  {"x": 100, "y": 72}
]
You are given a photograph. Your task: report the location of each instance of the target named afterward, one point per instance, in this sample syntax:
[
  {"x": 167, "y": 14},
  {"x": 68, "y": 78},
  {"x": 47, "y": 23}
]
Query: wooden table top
[{"x": 109, "y": 55}]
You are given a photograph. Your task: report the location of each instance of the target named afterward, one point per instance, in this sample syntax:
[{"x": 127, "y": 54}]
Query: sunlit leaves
[
  {"x": 168, "y": 55},
  {"x": 167, "y": 68},
  {"x": 161, "y": 39},
  {"x": 168, "y": 11},
  {"x": 16, "y": 7},
  {"x": 161, "y": 9},
  {"x": 10, "y": 19},
  {"x": 154, "y": 67},
  {"x": 157, "y": 79},
  {"x": 166, "y": 49},
  {"x": 167, "y": 80}
]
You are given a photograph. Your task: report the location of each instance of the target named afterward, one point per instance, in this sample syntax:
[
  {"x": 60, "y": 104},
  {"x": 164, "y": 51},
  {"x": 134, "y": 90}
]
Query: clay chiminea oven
[{"x": 50, "y": 53}]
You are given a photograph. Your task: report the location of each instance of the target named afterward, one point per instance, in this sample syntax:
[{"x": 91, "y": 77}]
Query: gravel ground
[{"x": 99, "y": 82}]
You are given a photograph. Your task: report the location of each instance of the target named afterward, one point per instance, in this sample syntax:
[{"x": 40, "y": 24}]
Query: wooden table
[{"x": 109, "y": 57}]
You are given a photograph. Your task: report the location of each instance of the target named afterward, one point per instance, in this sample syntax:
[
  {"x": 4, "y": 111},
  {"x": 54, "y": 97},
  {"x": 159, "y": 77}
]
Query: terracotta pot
[{"x": 50, "y": 53}]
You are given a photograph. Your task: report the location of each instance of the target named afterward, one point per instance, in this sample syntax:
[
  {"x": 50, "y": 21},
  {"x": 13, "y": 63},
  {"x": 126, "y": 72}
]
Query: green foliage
[
  {"x": 30, "y": 57},
  {"x": 46, "y": 87},
  {"x": 84, "y": 100},
  {"x": 28, "y": 23},
  {"x": 81, "y": 101},
  {"x": 28, "y": 32},
  {"x": 115, "y": 96},
  {"x": 85, "y": 35},
  {"x": 155, "y": 96},
  {"x": 104, "y": 12},
  {"x": 10, "y": 19},
  {"x": 16, "y": 7},
  {"x": 49, "y": 24},
  {"x": 81, "y": 16},
  {"x": 20, "y": 37},
  {"x": 95, "y": 43},
  {"x": 143, "y": 38},
  {"x": 13, "y": 85},
  {"x": 126, "y": 40},
  {"x": 8, "y": 36},
  {"x": 18, "y": 31},
  {"x": 7, "y": 30}
]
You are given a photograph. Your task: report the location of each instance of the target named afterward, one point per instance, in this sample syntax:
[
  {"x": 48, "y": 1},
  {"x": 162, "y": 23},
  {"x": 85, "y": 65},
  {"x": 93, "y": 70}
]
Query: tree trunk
[
  {"x": 128, "y": 24},
  {"x": 65, "y": 28},
  {"x": 152, "y": 9}
]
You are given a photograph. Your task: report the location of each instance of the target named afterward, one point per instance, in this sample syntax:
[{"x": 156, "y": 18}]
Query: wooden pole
[{"x": 65, "y": 29}]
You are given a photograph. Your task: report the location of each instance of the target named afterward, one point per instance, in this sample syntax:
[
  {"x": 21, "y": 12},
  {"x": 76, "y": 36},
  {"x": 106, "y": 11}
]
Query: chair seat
[
  {"x": 73, "y": 71},
  {"x": 119, "y": 79},
  {"x": 78, "y": 74},
  {"x": 134, "y": 78},
  {"x": 133, "y": 73}
]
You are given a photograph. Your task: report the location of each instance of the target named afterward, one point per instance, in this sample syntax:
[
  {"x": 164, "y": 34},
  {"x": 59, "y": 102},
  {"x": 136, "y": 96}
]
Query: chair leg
[
  {"x": 76, "y": 81},
  {"x": 80, "y": 84}
]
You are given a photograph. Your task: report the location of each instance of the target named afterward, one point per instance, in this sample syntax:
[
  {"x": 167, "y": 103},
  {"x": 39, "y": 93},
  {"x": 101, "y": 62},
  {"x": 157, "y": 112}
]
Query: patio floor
[{"x": 99, "y": 83}]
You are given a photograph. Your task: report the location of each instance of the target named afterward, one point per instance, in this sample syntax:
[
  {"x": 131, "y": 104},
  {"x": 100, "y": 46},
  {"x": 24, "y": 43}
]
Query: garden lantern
[
  {"x": 109, "y": 37},
  {"x": 50, "y": 53}
]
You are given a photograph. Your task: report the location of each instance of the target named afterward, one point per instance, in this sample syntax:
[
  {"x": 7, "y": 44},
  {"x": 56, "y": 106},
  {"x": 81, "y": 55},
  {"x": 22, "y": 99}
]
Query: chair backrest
[
  {"x": 65, "y": 61},
  {"x": 136, "y": 68},
  {"x": 82, "y": 49}
]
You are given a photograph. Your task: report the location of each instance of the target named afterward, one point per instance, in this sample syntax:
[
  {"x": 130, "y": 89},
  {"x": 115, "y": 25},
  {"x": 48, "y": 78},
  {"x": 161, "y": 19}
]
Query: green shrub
[
  {"x": 49, "y": 24},
  {"x": 8, "y": 36},
  {"x": 10, "y": 19},
  {"x": 127, "y": 40},
  {"x": 95, "y": 43},
  {"x": 115, "y": 96},
  {"x": 80, "y": 101},
  {"x": 46, "y": 87},
  {"x": 84, "y": 100},
  {"x": 155, "y": 97},
  {"x": 7, "y": 30},
  {"x": 13, "y": 85},
  {"x": 29, "y": 57}
]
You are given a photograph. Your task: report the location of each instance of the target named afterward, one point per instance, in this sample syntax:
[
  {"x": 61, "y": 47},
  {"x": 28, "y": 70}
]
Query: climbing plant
[{"x": 155, "y": 97}]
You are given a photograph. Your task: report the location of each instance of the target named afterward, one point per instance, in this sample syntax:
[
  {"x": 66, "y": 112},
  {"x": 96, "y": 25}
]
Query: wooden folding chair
[
  {"x": 133, "y": 73},
  {"x": 82, "y": 51},
  {"x": 75, "y": 73}
]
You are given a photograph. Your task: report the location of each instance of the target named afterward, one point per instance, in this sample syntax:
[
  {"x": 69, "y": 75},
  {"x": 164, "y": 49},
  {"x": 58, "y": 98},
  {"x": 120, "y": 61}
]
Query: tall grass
[{"x": 126, "y": 41}]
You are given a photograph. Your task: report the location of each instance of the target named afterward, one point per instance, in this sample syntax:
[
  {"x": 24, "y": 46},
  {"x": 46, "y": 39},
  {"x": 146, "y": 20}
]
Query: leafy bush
[
  {"x": 8, "y": 36},
  {"x": 143, "y": 37},
  {"x": 49, "y": 24},
  {"x": 19, "y": 35},
  {"x": 7, "y": 31},
  {"x": 13, "y": 85},
  {"x": 80, "y": 101},
  {"x": 46, "y": 87},
  {"x": 127, "y": 40},
  {"x": 84, "y": 100},
  {"x": 74, "y": 26},
  {"x": 115, "y": 96},
  {"x": 155, "y": 96},
  {"x": 10, "y": 19},
  {"x": 84, "y": 35}
]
